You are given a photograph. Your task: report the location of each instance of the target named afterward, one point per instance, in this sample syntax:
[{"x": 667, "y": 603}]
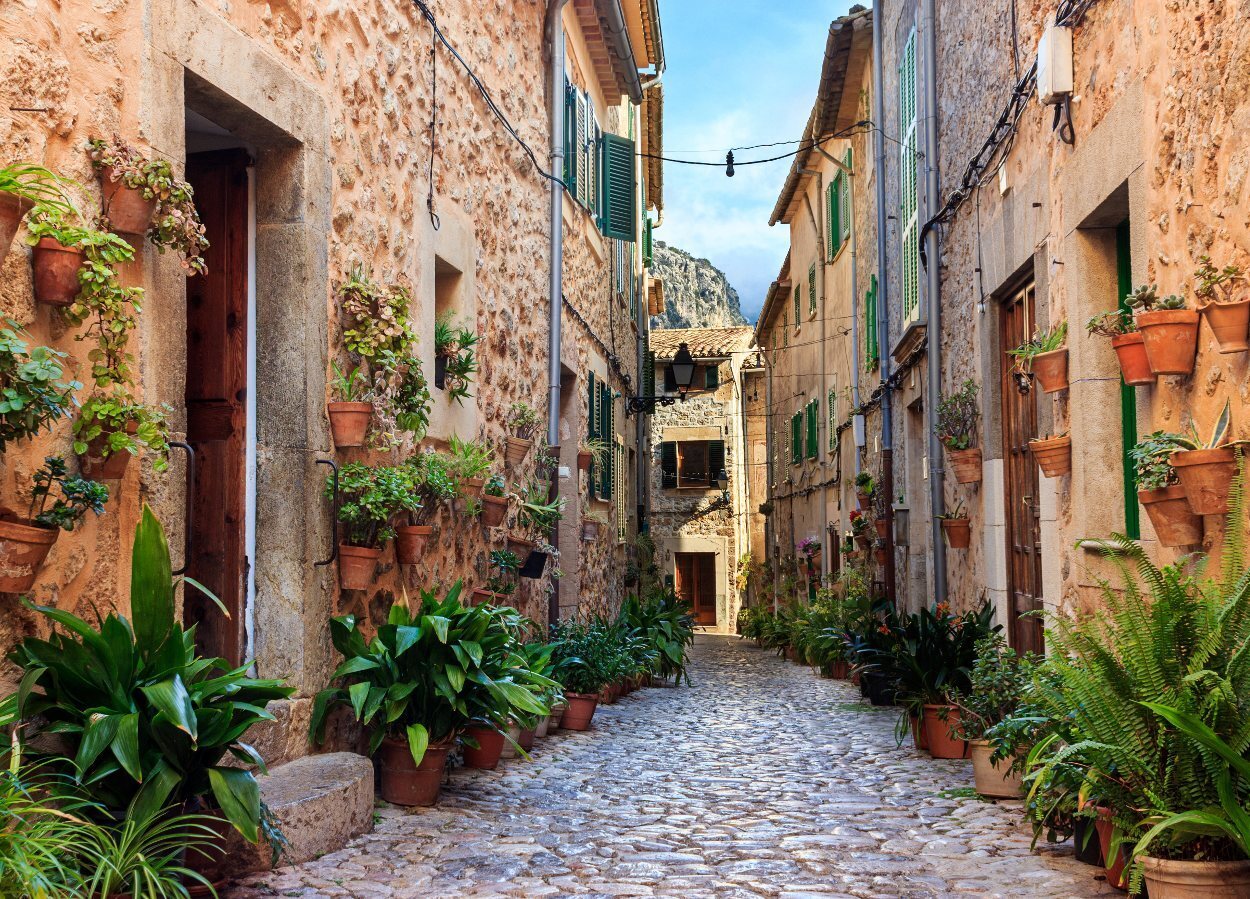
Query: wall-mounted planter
[
  {"x": 590, "y": 530},
  {"x": 56, "y": 272},
  {"x": 534, "y": 566},
  {"x": 480, "y": 597},
  {"x": 1230, "y": 323},
  {"x": 1051, "y": 370},
  {"x": 1171, "y": 338},
  {"x": 11, "y": 211},
  {"x": 473, "y": 487},
  {"x": 584, "y": 458},
  {"x": 95, "y": 465},
  {"x": 1053, "y": 455},
  {"x": 958, "y": 532},
  {"x": 966, "y": 465},
  {"x": 494, "y": 510},
  {"x": 880, "y": 556},
  {"x": 1206, "y": 475},
  {"x": 1130, "y": 350},
  {"x": 865, "y": 501},
  {"x": 411, "y": 542},
  {"x": 882, "y": 526},
  {"x": 349, "y": 422},
  {"x": 129, "y": 212},
  {"x": 440, "y": 371},
  {"x": 358, "y": 566},
  {"x": 519, "y": 546},
  {"x": 23, "y": 547},
  {"x": 1174, "y": 522},
  {"x": 516, "y": 450}
]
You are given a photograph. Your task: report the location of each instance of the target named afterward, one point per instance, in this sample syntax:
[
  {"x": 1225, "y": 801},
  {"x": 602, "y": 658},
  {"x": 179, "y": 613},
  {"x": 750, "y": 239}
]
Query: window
[
  {"x": 691, "y": 464},
  {"x": 872, "y": 350},
  {"x": 621, "y": 489},
  {"x": 619, "y": 187},
  {"x": 908, "y": 198},
  {"x": 833, "y": 215},
  {"x": 711, "y": 376},
  {"x": 844, "y": 213},
  {"x": 785, "y": 329},
  {"x": 813, "y": 429},
  {"x": 833, "y": 415},
  {"x": 798, "y": 305},
  {"x": 601, "y": 417},
  {"x": 811, "y": 291},
  {"x": 647, "y": 243},
  {"x": 599, "y": 167},
  {"x": 796, "y": 438}
]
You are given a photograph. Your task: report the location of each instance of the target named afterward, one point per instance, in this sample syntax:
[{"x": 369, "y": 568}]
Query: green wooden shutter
[
  {"x": 831, "y": 228},
  {"x": 570, "y": 137},
  {"x": 872, "y": 351},
  {"x": 668, "y": 465},
  {"x": 648, "y": 374},
  {"x": 798, "y": 304},
  {"x": 835, "y": 215},
  {"x": 796, "y": 438},
  {"x": 811, "y": 290},
  {"x": 712, "y": 376},
  {"x": 1128, "y": 394},
  {"x": 608, "y": 432},
  {"x": 592, "y": 405},
  {"x": 619, "y": 185},
  {"x": 715, "y": 459},
  {"x": 844, "y": 209},
  {"x": 579, "y": 149},
  {"x": 594, "y": 163},
  {"x": 785, "y": 327},
  {"x": 908, "y": 197},
  {"x": 647, "y": 245},
  {"x": 813, "y": 429},
  {"x": 833, "y": 418}
]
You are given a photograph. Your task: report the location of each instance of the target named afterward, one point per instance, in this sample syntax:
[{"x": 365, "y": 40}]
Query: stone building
[
  {"x": 323, "y": 139},
  {"x": 700, "y": 515}
]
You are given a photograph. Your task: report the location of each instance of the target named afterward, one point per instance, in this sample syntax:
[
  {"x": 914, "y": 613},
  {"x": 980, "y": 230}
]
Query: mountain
[{"x": 696, "y": 293}]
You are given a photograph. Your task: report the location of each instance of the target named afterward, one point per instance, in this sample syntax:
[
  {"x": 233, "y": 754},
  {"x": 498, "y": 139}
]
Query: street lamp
[
  {"x": 682, "y": 368},
  {"x": 722, "y": 481}
]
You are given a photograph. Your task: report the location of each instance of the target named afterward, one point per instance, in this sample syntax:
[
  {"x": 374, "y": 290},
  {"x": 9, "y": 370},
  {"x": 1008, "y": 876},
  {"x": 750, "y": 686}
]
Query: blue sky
[{"x": 740, "y": 72}]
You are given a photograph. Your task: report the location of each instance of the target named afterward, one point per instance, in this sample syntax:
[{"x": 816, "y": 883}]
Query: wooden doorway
[
  {"x": 696, "y": 584},
  {"x": 1019, "y": 415},
  {"x": 216, "y": 398}
]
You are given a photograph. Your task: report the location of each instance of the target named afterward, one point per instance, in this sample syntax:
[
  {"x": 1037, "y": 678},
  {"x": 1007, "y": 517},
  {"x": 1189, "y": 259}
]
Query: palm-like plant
[{"x": 143, "y": 856}]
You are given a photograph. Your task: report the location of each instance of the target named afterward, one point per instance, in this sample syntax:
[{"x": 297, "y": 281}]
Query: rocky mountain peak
[{"x": 697, "y": 294}]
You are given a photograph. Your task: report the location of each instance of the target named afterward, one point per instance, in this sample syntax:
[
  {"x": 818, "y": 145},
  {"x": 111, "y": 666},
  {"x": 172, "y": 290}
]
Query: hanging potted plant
[
  {"x": 429, "y": 485},
  {"x": 23, "y": 185},
  {"x": 1225, "y": 303},
  {"x": 1053, "y": 454},
  {"x": 1169, "y": 330},
  {"x": 1128, "y": 343},
  {"x": 455, "y": 359},
  {"x": 1044, "y": 357},
  {"x": 352, "y": 411},
  {"x": 110, "y": 428},
  {"x": 956, "y": 528},
  {"x": 58, "y": 502},
  {"x": 546, "y": 460},
  {"x": 68, "y": 260},
  {"x": 1206, "y": 467},
  {"x": 859, "y": 529},
  {"x": 537, "y": 515},
  {"x": 957, "y": 417},
  {"x": 33, "y": 395},
  {"x": 593, "y": 524},
  {"x": 1160, "y": 491},
  {"x": 502, "y": 582},
  {"x": 370, "y": 499},
  {"x": 494, "y": 502},
  {"x": 468, "y": 462},
  {"x": 865, "y": 486},
  {"x": 997, "y": 686},
  {"x": 592, "y": 453},
  {"x": 523, "y": 421}
]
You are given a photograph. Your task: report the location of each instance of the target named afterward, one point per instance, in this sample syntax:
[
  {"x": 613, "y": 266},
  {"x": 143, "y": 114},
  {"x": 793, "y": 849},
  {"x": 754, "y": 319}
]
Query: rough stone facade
[{"x": 696, "y": 293}]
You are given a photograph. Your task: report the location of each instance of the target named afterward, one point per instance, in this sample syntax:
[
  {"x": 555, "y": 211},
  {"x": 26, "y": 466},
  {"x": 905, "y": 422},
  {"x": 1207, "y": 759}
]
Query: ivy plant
[
  {"x": 110, "y": 415},
  {"x": 32, "y": 393}
]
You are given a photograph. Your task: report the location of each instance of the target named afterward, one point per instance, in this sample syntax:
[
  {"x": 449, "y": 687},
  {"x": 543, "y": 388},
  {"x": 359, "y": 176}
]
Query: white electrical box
[{"x": 1054, "y": 65}]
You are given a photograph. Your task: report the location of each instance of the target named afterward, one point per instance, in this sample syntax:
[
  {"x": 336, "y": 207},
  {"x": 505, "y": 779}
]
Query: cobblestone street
[{"x": 759, "y": 780}]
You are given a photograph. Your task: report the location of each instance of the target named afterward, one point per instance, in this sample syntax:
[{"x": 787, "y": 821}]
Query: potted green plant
[
  {"x": 859, "y": 529},
  {"x": 468, "y": 463},
  {"x": 865, "y": 486},
  {"x": 142, "y": 195},
  {"x": 33, "y": 395},
  {"x": 22, "y": 185},
  {"x": 537, "y": 515},
  {"x": 370, "y": 500},
  {"x": 1160, "y": 491},
  {"x": 582, "y": 664},
  {"x": 502, "y": 582},
  {"x": 1169, "y": 330},
  {"x": 957, "y": 416},
  {"x": 430, "y": 484},
  {"x": 593, "y": 524},
  {"x": 1128, "y": 343},
  {"x": 591, "y": 453},
  {"x": 1045, "y": 357},
  {"x": 956, "y": 528},
  {"x": 110, "y": 428},
  {"x": 1206, "y": 466},
  {"x": 352, "y": 411},
  {"x": 523, "y": 421},
  {"x": 58, "y": 502},
  {"x": 494, "y": 501},
  {"x": 1224, "y": 303},
  {"x": 68, "y": 260},
  {"x": 997, "y": 686},
  {"x": 1053, "y": 454},
  {"x": 455, "y": 358}
]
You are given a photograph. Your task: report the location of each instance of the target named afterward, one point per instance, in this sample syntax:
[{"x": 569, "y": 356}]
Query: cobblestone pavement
[{"x": 759, "y": 780}]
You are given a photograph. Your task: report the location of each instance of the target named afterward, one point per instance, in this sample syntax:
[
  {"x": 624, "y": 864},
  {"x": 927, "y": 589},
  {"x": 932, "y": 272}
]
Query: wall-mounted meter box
[{"x": 1054, "y": 65}]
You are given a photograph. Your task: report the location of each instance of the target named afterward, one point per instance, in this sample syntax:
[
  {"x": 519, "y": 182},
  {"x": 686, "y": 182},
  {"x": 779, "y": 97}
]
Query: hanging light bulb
[{"x": 729, "y": 164}]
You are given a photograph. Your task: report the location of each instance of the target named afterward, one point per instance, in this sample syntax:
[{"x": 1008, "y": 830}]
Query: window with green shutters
[
  {"x": 647, "y": 252},
  {"x": 813, "y": 429},
  {"x": 833, "y": 415},
  {"x": 796, "y": 438},
  {"x": 844, "y": 210},
  {"x": 908, "y": 197},
  {"x": 691, "y": 464},
  {"x": 602, "y": 426},
  {"x": 648, "y": 374},
  {"x": 811, "y": 290},
  {"x": 798, "y": 305},
  {"x": 833, "y": 209},
  {"x": 570, "y": 137},
  {"x": 619, "y": 188},
  {"x": 785, "y": 330},
  {"x": 872, "y": 349}
]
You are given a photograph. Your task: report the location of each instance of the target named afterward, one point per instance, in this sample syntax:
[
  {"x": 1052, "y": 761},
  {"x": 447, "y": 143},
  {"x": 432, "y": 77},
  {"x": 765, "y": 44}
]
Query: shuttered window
[
  {"x": 908, "y": 197},
  {"x": 844, "y": 210},
  {"x": 619, "y": 186},
  {"x": 668, "y": 465},
  {"x": 602, "y": 426},
  {"x": 580, "y": 136},
  {"x": 798, "y": 305},
  {"x": 570, "y": 138},
  {"x": 647, "y": 245},
  {"x": 711, "y": 376},
  {"x": 872, "y": 351},
  {"x": 833, "y": 415},
  {"x": 813, "y": 429},
  {"x": 648, "y": 374},
  {"x": 833, "y": 213},
  {"x": 716, "y": 459},
  {"x": 811, "y": 290},
  {"x": 620, "y": 491},
  {"x": 785, "y": 329},
  {"x": 796, "y": 438},
  {"x": 691, "y": 464}
]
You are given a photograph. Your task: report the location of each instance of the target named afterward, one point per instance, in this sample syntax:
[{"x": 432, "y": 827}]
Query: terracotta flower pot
[
  {"x": 490, "y": 747},
  {"x": 1130, "y": 349},
  {"x": 918, "y": 737},
  {"x": 880, "y": 556},
  {"x": 56, "y": 272},
  {"x": 494, "y": 510},
  {"x": 473, "y": 487},
  {"x": 526, "y": 738},
  {"x": 512, "y": 745},
  {"x": 1051, "y": 370},
  {"x": 520, "y": 547},
  {"x": 1116, "y": 874},
  {"x": 584, "y": 459},
  {"x": 406, "y": 783},
  {"x": 958, "y": 532},
  {"x": 1053, "y": 455},
  {"x": 608, "y": 694},
  {"x": 865, "y": 501},
  {"x": 966, "y": 464},
  {"x": 882, "y": 526},
  {"x": 127, "y": 209},
  {"x": 23, "y": 547},
  {"x": 1230, "y": 323},
  {"x": 1174, "y": 522},
  {"x": 1168, "y": 879},
  {"x": 517, "y": 449},
  {"x": 937, "y": 733},
  {"x": 410, "y": 543},
  {"x": 349, "y": 422},
  {"x": 838, "y": 669},
  {"x": 993, "y": 778},
  {"x": 480, "y": 597},
  {"x": 11, "y": 211},
  {"x": 99, "y": 467},
  {"x": 554, "y": 719},
  {"x": 358, "y": 566},
  {"x": 580, "y": 711},
  {"x": 1171, "y": 338},
  {"x": 1206, "y": 475},
  {"x": 540, "y": 729}
]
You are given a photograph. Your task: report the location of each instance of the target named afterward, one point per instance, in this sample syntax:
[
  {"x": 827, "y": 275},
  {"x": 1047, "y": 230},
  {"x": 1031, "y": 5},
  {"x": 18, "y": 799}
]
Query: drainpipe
[
  {"x": 937, "y": 469},
  {"x": 883, "y": 311},
  {"x": 555, "y": 37},
  {"x": 770, "y": 447},
  {"x": 818, "y": 223}
]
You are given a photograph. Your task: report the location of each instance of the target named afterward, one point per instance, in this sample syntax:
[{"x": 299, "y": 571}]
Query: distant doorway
[{"x": 696, "y": 584}]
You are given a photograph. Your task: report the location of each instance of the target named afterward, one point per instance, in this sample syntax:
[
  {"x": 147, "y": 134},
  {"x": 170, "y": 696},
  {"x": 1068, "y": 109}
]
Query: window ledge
[{"x": 1101, "y": 547}]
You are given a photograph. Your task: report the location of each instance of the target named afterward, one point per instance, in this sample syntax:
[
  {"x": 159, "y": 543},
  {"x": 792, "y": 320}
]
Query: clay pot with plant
[
  {"x": 502, "y": 581},
  {"x": 1044, "y": 357},
  {"x": 58, "y": 502},
  {"x": 352, "y": 410},
  {"x": 1169, "y": 330},
  {"x": 112, "y": 427},
  {"x": 1224, "y": 302},
  {"x": 370, "y": 500},
  {"x": 957, "y": 416},
  {"x": 592, "y": 453},
  {"x": 537, "y": 516},
  {"x": 455, "y": 358},
  {"x": 865, "y": 487},
  {"x": 1128, "y": 343},
  {"x": 523, "y": 421},
  {"x": 494, "y": 501},
  {"x": 593, "y": 524},
  {"x": 22, "y": 186},
  {"x": 1053, "y": 454},
  {"x": 430, "y": 485},
  {"x": 1206, "y": 466},
  {"x": 956, "y": 527},
  {"x": 468, "y": 463},
  {"x": 997, "y": 686},
  {"x": 69, "y": 260},
  {"x": 35, "y": 396},
  {"x": 1160, "y": 492}
]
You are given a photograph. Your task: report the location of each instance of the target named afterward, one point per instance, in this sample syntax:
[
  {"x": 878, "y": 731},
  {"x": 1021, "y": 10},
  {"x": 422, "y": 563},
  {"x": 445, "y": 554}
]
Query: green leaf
[
  {"x": 418, "y": 741},
  {"x": 96, "y": 737},
  {"x": 473, "y": 649},
  {"x": 170, "y": 696},
  {"x": 405, "y": 638},
  {"x": 358, "y": 694},
  {"x": 354, "y": 666},
  {"x": 155, "y": 792},
  {"x": 125, "y": 745},
  {"x": 438, "y": 624},
  {"x": 455, "y": 677},
  {"x": 238, "y": 796},
  {"x": 151, "y": 584}
]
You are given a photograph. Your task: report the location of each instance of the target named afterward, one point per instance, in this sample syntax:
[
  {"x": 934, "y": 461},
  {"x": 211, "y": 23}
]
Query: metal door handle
[
  {"x": 190, "y": 529},
  {"x": 334, "y": 513}
]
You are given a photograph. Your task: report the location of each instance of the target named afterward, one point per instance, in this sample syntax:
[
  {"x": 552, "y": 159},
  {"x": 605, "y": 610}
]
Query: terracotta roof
[
  {"x": 703, "y": 343},
  {"x": 611, "y": 54}
]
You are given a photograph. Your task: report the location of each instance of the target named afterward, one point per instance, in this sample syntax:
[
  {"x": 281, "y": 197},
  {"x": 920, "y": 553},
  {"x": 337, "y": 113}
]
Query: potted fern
[
  {"x": 1224, "y": 303},
  {"x": 1206, "y": 466},
  {"x": 1045, "y": 357},
  {"x": 1169, "y": 330},
  {"x": 1128, "y": 343},
  {"x": 957, "y": 417},
  {"x": 1160, "y": 491}
]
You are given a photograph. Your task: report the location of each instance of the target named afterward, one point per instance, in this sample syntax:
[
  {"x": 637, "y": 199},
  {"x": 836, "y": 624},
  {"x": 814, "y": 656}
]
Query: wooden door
[
  {"x": 216, "y": 396},
  {"x": 696, "y": 584},
  {"x": 1019, "y": 416}
]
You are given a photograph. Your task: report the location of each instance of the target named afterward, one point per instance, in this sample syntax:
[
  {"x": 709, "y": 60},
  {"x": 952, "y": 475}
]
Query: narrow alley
[{"x": 759, "y": 779}]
